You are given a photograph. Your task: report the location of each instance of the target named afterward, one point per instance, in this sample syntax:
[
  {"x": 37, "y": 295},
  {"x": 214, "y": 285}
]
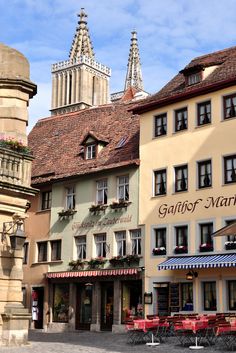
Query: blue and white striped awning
[{"x": 205, "y": 261}]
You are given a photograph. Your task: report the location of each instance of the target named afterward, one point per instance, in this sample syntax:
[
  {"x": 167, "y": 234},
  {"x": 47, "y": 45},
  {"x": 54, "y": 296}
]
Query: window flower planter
[
  {"x": 76, "y": 265},
  {"x": 97, "y": 208},
  {"x": 159, "y": 251},
  {"x": 66, "y": 213},
  {"x": 97, "y": 262},
  {"x": 119, "y": 204},
  {"x": 230, "y": 245},
  {"x": 132, "y": 259},
  {"x": 205, "y": 247},
  {"x": 117, "y": 261},
  {"x": 15, "y": 145},
  {"x": 181, "y": 249}
]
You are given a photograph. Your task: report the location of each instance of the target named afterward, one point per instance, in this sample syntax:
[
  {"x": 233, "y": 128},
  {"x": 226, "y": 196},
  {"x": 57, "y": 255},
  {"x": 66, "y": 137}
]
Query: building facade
[{"x": 187, "y": 188}]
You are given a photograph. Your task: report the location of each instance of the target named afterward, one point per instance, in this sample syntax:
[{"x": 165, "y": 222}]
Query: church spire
[
  {"x": 81, "y": 44},
  {"x": 134, "y": 74}
]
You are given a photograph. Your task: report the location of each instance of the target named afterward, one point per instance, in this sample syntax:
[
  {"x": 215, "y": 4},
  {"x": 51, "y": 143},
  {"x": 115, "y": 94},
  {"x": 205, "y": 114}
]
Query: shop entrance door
[
  {"x": 107, "y": 297},
  {"x": 37, "y": 306},
  {"x": 84, "y": 306}
]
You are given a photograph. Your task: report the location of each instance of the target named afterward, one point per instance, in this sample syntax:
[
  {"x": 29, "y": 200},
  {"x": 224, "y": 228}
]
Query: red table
[
  {"x": 195, "y": 326},
  {"x": 146, "y": 325}
]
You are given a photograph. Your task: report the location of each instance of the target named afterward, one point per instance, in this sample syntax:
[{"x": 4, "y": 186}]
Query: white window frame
[
  {"x": 91, "y": 151},
  {"x": 122, "y": 187},
  {"x": 121, "y": 242},
  {"x": 70, "y": 197},
  {"x": 81, "y": 247},
  {"x": 102, "y": 191},
  {"x": 136, "y": 241},
  {"x": 101, "y": 245}
]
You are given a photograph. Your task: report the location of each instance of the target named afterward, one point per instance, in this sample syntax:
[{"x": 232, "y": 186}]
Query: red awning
[{"x": 98, "y": 273}]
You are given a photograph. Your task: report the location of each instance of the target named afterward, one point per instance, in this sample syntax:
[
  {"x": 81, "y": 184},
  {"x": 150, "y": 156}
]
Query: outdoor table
[
  {"x": 227, "y": 333},
  {"x": 146, "y": 325},
  {"x": 195, "y": 326}
]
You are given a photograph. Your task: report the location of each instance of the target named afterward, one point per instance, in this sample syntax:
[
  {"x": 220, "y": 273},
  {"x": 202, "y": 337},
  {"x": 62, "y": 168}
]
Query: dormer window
[
  {"x": 194, "y": 78},
  {"x": 90, "y": 151}
]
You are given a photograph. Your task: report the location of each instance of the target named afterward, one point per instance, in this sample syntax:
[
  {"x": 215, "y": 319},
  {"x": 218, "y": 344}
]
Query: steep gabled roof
[
  {"x": 56, "y": 142},
  {"x": 224, "y": 75}
]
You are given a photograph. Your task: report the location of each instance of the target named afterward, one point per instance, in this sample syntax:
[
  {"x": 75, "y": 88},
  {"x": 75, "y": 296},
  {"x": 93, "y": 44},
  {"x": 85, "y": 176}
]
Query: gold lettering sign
[{"x": 102, "y": 223}]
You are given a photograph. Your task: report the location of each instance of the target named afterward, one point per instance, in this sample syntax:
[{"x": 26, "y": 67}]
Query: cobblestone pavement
[{"x": 93, "y": 342}]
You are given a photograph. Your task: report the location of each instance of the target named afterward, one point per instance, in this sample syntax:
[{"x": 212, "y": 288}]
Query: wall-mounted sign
[
  {"x": 182, "y": 207},
  {"x": 148, "y": 298},
  {"x": 105, "y": 222}
]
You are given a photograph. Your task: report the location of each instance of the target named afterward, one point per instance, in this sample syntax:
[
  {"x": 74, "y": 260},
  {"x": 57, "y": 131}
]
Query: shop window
[
  {"x": 102, "y": 192},
  {"x": 70, "y": 198},
  {"x": 25, "y": 253},
  {"x": 135, "y": 236},
  {"x": 206, "y": 230},
  {"x": 181, "y": 178},
  {"x": 101, "y": 246},
  {"x": 81, "y": 247},
  {"x": 230, "y": 169},
  {"x": 160, "y": 125},
  {"x": 55, "y": 250},
  {"x": 204, "y": 113},
  {"x": 209, "y": 296},
  {"x": 123, "y": 188},
  {"x": 160, "y": 182},
  {"x": 204, "y": 174},
  {"x": 46, "y": 200},
  {"x": 232, "y": 295},
  {"x": 181, "y": 119},
  {"x": 121, "y": 243},
  {"x": 60, "y": 302},
  {"x": 131, "y": 300},
  {"x": 186, "y": 296},
  {"x": 181, "y": 236},
  {"x": 230, "y": 106},
  {"x": 42, "y": 251}
]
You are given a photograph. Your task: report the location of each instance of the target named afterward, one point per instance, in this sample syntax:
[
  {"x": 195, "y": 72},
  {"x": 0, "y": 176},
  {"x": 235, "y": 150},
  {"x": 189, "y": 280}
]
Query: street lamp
[{"x": 15, "y": 233}]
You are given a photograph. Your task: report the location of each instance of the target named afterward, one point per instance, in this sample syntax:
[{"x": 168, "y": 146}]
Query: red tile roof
[
  {"x": 176, "y": 90},
  {"x": 56, "y": 142}
]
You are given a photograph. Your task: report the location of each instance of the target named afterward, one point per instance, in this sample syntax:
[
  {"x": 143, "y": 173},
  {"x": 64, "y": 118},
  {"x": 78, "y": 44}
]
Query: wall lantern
[
  {"x": 190, "y": 275},
  {"x": 147, "y": 298},
  {"x": 15, "y": 232}
]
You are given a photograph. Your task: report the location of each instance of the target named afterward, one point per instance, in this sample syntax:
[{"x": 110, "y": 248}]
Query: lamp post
[{"x": 15, "y": 232}]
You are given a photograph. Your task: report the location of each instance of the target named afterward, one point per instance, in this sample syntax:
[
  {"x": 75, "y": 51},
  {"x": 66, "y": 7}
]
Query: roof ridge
[{"x": 213, "y": 53}]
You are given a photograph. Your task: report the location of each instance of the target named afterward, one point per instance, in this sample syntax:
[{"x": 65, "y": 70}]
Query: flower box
[
  {"x": 206, "y": 247},
  {"x": 119, "y": 204},
  {"x": 97, "y": 208},
  {"x": 76, "y": 264},
  {"x": 97, "y": 262},
  {"x": 132, "y": 259},
  {"x": 230, "y": 245},
  {"x": 14, "y": 145},
  {"x": 181, "y": 249},
  {"x": 66, "y": 213},
  {"x": 159, "y": 251},
  {"x": 117, "y": 261}
]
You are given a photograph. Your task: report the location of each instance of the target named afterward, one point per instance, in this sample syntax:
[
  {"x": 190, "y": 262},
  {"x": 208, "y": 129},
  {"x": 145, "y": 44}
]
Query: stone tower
[
  {"x": 134, "y": 74},
  {"x": 81, "y": 81}
]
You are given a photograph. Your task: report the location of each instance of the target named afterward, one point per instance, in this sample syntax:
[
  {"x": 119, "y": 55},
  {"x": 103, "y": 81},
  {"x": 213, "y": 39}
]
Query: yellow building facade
[{"x": 187, "y": 189}]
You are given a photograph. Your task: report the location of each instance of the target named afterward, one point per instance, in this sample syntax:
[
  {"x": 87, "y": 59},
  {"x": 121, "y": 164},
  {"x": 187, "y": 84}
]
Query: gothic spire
[
  {"x": 81, "y": 44},
  {"x": 134, "y": 74}
]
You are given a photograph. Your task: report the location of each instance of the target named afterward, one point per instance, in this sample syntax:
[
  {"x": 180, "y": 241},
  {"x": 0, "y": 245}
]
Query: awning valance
[
  {"x": 225, "y": 231},
  {"x": 205, "y": 261},
  {"x": 93, "y": 273}
]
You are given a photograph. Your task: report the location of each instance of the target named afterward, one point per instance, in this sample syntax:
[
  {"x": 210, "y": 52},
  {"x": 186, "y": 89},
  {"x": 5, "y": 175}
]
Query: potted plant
[
  {"x": 132, "y": 259},
  {"x": 14, "y": 145},
  {"x": 117, "y": 261},
  {"x": 76, "y": 264},
  {"x": 159, "y": 251},
  {"x": 121, "y": 203},
  {"x": 96, "y": 262},
  {"x": 97, "y": 208},
  {"x": 206, "y": 247},
  {"x": 66, "y": 213},
  {"x": 230, "y": 245},
  {"x": 181, "y": 249}
]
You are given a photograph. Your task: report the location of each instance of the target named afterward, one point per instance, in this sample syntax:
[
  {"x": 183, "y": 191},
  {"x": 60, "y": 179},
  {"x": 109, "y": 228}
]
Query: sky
[{"x": 170, "y": 34}]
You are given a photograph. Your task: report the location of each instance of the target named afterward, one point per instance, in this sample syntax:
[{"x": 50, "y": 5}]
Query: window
[
  {"x": 206, "y": 230},
  {"x": 160, "y": 182},
  {"x": 231, "y": 237},
  {"x": 81, "y": 246},
  {"x": 204, "y": 174},
  {"x": 160, "y": 125},
  {"x": 42, "y": 251},
  {"x": 101, "y": 246},
  {"x": 181, "y": 233},
  {"x": 186, "y": 296},
  {"x": 181, "y": 119},
  {"x": 122, "y": 142},
  {"x": 60, "y": 302},
  {"x": 102, "y": 192},
  {"x": 121, "y": 243},
  {"x": 204, "y": 113},
  {"x": 160, "y": 237},
  {"x": 135, "y": 236},
  {"x": 55, "y": 250},
  {"x": 230, "y": 106},
  {"x": 131, "y": 303},
  {"x": 91, "y": 151},
  {"x": 209, "y": 296},
  {"x": 46, "y": 200},
  {"x": 181, "y": 178},
  {"x": 230, "y": 169},
  {"x": 123, "y": 188},
  {"x": 232, "y": 295},
  {"x": 194, "y": 78},
  {"x": 70, "y": 198},
  {"x": 25, "y": 253}
]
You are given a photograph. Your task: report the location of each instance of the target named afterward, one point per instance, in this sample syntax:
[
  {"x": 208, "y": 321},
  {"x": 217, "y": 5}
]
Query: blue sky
[{"x": 170, "y": 34}]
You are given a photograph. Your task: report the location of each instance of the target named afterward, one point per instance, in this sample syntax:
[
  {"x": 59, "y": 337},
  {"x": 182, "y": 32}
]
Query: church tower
[
  {"x": 81, "y": 81},
  {"x": 134, "y": 74}
]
